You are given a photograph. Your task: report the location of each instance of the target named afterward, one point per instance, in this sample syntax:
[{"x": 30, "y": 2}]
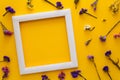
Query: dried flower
[
  {"x": 58, "y": 4},
  {"x": 61, "y": 76},
  {"x": 107, "y": 54},
  {"x": 84, "y": 11},
  {"x": 6, "y": 72},
  {"x": 29, "y": 5},
  {"x": 9, "y": 9},
  {"x": 88, "y": 42},
  {"x": 94, "y": 5},
  {"x": 76, "y": 73},
  {"x": 103, "y": 38},
  {"x": 76, "y": 2},
  {"x": 88, "y": 27},
  {"x": 116, "y": 36},
  {"x": 115, "y": 6},
  {"x": 5, "y": 59},
  {"x": 91, "y": 58},
  {"x": 106, "y": 69},
  {"x": 5, "y": 30},
  {"x": 45, "y": 77}
]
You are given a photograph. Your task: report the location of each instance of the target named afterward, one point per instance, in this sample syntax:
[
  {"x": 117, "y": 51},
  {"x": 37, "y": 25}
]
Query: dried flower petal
[
  {"x": 76, "y": 2},
  {"x": 59, "y": 5},
  {"x": 6, "y": 58},
  {"x": 102, "y": 38},
  {"x": 75, "y": 73}
]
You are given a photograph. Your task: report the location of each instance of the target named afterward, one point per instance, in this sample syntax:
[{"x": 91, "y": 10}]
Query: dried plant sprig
[
  {"x": 115, "y": 6},
  {"x": 9, "y": 9},
  {"x": 106, "y": 69},
  {"x": 76, "y": 3},
  {"x": 108, "y": 54},
  {"x": 91, "y": 58},
  {"x": 103, "y": 38},
  {"x": 29, "y": 4},
  {"x": 58, "y": 4},
  {"x": 94, "y": 5},
  {"x": 88, "y": 42},
  {"x": 5, "y": 30},
  {"x": 84, "y": 11},
  {"x": 88, "y": 28},
  {"x": 76, "y": 73}
]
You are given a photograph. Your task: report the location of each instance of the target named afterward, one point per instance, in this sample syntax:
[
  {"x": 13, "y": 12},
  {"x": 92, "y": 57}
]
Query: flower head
[
  {"x": 90, "y": 57},
  {"x": 7, "y": 32},
  {"x": 102, "y": 38},
  {"x": 9, "y": 9},
  {"x": 45, "y": 77},
  {"x": 108, "y": 53},
  {"x": 75, "y": 74},
  {"x": 59, "y": 5},
  {"x": 6, "y": 58},
  {"x": 106, "y": 68},
  {"x": 5, "y": 71},
  {"x": 82, "y": 11},
  {"x": 61, "y": 76}
]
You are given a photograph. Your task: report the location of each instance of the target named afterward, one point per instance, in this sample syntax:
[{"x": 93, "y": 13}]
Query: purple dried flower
[
  {"x": 45, "y": 77},
  {"x": 108, "y": 53},
  {"x": 6, "y": 59},
  {"x": 5, "y": 71},
  {"x": 94, "y": 5},
  {"x": 103, "y": 38},
  {"x": 5, "y": 30},
  {"x": 91, "y": 58},
  {"x": 58, "y": 4},
  {"x": 76, "y": 73},
  {"x": 84, "y": 11},
  {"x": 106, "y": 69},
  {"x": 61, "y": 76},
  {"x": 9, "y": 9}
]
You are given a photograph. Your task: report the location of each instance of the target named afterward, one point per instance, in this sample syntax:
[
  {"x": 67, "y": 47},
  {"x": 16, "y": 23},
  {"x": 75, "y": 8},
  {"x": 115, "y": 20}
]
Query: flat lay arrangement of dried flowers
[
  {"x": 77, "y": 73},
  {"x": 108, "y": 55}
]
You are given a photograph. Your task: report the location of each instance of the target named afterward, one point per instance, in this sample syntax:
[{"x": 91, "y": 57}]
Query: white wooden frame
[{"x": 30, "y": 17}]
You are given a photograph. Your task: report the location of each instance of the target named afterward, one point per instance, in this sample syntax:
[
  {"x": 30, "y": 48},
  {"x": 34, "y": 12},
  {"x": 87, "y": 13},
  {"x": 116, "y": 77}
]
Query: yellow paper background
[{"x": 96, "y": 48}]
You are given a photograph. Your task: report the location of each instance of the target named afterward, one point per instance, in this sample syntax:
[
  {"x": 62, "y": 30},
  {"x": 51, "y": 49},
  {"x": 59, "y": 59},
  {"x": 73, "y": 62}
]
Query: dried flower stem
[
  {"x": 96, "y": 70},
  {"x": 3, "y": 26},
  {"x": 112, "y": 28},
  {"x": 50, "y": 3},
  {"x": 91, "y": 15},
  {"x": 115, "y": 63},
  {"x": 109, "y": 76},
  {"x": 82, "y": 76}
]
